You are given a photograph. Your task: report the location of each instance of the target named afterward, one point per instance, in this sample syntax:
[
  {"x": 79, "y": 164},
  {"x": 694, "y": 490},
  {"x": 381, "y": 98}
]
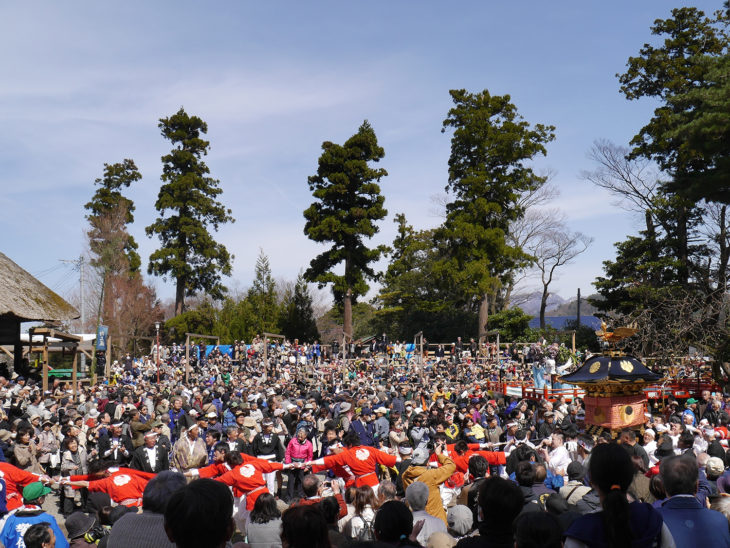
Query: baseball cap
[
  {"x": 35, "y": 490},
  {"x": 715, "y": 466}
]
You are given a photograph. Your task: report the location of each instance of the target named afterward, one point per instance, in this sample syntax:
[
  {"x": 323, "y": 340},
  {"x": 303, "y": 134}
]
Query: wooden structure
[
  {"x": 268, "y": 336},
  {"x": 63, "y": 340},
  {"x": 187, "y": 348},
  {"x": 25, "y": 299}
]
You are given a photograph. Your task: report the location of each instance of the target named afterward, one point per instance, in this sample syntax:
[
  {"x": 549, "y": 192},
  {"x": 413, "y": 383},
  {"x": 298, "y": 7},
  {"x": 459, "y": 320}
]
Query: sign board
[{"x": 102, "y": 333}]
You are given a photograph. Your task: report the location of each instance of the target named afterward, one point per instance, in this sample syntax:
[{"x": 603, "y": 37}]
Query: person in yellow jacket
[{"x": 433, "y": 477}]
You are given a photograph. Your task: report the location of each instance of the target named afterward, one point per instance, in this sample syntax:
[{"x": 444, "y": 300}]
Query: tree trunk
[
  {"x": 682, "y": 244},
  {"x": 180, "y": 297},
  {"x": 543, "y": 305},
  {"x": 722, "y": 268},
  {"x": 483, "y": 317},
  {"x": 347, "y": 324}
]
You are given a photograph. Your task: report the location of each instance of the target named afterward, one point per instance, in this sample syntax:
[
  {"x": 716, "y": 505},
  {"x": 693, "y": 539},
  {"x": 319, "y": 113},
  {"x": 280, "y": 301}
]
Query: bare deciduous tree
[{"x": 552, "y": 250}]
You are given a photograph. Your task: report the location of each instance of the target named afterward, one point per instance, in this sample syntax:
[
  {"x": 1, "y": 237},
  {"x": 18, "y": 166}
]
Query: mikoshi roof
[
  {"x": 617, "y": 369},
  {"x": 23, "y": 296}
]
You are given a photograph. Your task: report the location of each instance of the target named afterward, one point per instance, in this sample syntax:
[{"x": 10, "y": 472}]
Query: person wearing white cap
[{"x": 151, "y": 457}]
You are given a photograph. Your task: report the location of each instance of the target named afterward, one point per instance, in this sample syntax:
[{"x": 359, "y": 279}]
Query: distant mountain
[
  {"x": 568, "y": 308},
  {"x": 530, "y": 304}
]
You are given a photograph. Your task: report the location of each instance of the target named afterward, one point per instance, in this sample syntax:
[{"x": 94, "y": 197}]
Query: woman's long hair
[
  {"x": 264, "y": 510},
  {"x": 611, "y": 472},
  {"x": 364, "y": 496}
]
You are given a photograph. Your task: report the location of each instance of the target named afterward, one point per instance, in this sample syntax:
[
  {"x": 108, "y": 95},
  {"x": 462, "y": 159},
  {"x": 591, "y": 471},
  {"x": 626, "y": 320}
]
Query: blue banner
[{"x": 102, "y": 333}]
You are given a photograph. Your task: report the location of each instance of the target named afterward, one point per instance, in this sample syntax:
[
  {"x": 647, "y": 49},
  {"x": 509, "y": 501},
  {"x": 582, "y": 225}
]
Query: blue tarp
[{"x": 224, "y": 348}]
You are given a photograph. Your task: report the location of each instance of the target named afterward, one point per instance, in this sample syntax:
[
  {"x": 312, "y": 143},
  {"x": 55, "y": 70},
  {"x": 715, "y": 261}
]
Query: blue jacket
[
  {"x": 691, "y": 524},
  {"x": 17, "y": 524}
]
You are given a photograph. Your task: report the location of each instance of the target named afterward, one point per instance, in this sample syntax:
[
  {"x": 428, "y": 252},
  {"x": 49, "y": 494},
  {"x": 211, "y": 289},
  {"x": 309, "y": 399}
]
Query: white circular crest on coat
[
  {"x": 362, "y": 454},
  {"x": 247, "y": 470},
  {"x": 124, "y": 479}
]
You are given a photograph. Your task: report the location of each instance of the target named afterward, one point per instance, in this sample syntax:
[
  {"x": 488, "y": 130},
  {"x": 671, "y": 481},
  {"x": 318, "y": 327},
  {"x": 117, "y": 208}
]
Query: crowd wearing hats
[{"x": 376, "y": 449}]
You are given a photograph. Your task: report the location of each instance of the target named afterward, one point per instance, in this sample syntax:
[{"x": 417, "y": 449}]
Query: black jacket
[{"x": 141, "y": 461}]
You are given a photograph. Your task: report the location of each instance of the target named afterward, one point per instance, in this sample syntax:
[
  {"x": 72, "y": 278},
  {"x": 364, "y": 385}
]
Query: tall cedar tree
[
  {"x": 487, "y": 175},
  {"x": 189, "y": 254},
  {"x": 107, "y": 198},
  {"x": 297, "y": 316},
  {"x": 688, "y": 73},
  {"x": 262, "y": 297},
  {"x": 348, "y": 202}
]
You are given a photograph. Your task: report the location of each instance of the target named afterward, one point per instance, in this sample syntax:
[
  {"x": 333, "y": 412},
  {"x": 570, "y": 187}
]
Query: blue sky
[{"x": 84, "y": 83}]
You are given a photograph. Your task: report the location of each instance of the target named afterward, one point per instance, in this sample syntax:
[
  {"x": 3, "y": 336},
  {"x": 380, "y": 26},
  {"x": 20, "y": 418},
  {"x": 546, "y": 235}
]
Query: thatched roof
[{"x": 24, "y": 297}]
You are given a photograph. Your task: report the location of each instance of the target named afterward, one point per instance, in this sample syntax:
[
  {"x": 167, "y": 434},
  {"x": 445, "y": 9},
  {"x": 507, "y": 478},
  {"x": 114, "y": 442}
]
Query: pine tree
[
  {"x": 188, "y": 207},
  {"x": 348, "y": 203}
]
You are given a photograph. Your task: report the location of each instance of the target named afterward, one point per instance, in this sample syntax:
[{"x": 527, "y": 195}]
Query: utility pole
[
  {"x": 83, "y": 308},
  {"x": 79, "y": 264}
]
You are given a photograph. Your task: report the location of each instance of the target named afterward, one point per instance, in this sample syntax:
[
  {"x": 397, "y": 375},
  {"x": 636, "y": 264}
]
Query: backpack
[{"x": 366, "y": 533}]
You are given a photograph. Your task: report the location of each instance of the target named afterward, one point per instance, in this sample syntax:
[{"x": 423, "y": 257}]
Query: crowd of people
[{"x": 329, "y": 453}]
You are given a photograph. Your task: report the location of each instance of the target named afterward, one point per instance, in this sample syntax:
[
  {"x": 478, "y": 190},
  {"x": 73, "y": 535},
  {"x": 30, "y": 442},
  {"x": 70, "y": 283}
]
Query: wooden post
[
  {"x": 574, "y": 342},
  {"x": 108, "y": 366},
  {"x": 74, "y": 371},
  {"x": 266, "y": 356},
  {"x": 45, "y": 364},
  {"x": 187, "y": 355}
]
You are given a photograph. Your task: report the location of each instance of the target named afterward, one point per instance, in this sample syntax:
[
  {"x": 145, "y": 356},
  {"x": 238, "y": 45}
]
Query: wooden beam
[{"x": 7, "y": 352}]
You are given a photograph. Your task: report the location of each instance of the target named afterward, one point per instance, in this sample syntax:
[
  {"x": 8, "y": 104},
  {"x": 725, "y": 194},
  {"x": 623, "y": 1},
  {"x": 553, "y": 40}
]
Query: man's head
[
  {"x": 199, "y": 514},
  {"x": 150, "y": 439},
  {"x": 39, "y": 535},
  {"x": 417, "y": 495},
  {"x": 311, "y": 485},
  {"x": 686, "y": 440},
  {"x": 628, "y": 437},
  {"x": 680, "y": 475},
  {"x": 159, "y": 490},
  {"x": 500, "y": 502},
  {"x": 478, "y": 466},
  {"x": 525, "y": 474}
]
